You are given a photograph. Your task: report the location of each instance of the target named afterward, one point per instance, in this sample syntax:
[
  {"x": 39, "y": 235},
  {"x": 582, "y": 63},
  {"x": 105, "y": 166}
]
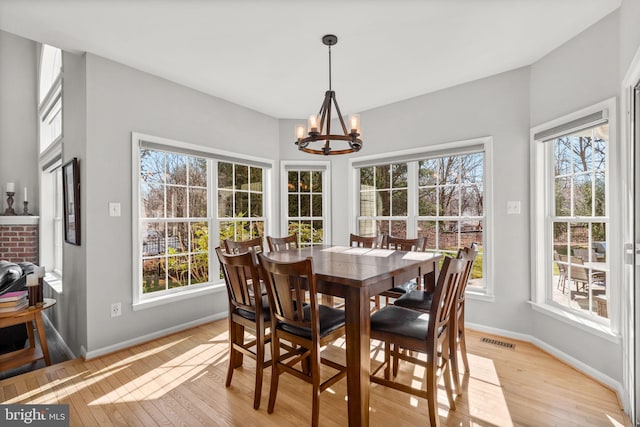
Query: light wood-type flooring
[{"x": 179, "y": 380}]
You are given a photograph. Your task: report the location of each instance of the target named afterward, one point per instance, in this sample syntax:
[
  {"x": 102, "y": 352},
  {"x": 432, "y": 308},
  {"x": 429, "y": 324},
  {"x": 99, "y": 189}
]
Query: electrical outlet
[{"x": 116, "y": 309}]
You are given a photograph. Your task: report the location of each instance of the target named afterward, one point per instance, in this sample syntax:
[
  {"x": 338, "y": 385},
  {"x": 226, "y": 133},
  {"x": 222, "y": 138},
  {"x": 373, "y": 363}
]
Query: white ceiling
[{"x": 268, "y": 55}]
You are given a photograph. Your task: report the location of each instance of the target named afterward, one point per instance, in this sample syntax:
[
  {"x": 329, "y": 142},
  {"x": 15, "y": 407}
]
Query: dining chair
[
  {"x": 587, "y": 255},
  {"x": 578, "y": 273},
  {"x": 309, "y": 327},
  {"x": 277, "y": 244},
  {"x": 245, "y": 312},
  {"x": 429, "y": 333},
  {"x": 562, "y": 270},
  {"x": 422, "y": 300},
  {"x": 237, "y": 247},
  {"x": 356, "y": 241},
  {"x": 395, "y": 243}
]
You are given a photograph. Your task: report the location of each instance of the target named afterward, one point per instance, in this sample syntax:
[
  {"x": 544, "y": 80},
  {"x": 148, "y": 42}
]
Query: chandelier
[{"x": 320, "y": 124}]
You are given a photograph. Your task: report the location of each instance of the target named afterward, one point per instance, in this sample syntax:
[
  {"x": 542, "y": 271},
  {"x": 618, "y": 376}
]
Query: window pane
[
  {"x": 241, "y": 204},
  {"x": 197, "y": 171},
  {"x": 293, "y": 181},
  {"x": 318, "y": 231},
  {"x": 152, "y": 196},
  {"x": 582, "y": 195},
  {"x": 599, "y": 189},
  {"x": 227, "y": 231},
  {"x": 178, "y": 271},
  {"x": 225, "y": 204},
  {"x": 197, "y": 202},
  {"x": 305, "y": 181},
  {"x": 294, "y": 227},
  {"x": 427, "y": 202},
  {"x": 152, "y": 166},
  {"x": 451, "y": 169},
  {"x": 256, "y": 204},
  {"x": 304, "y": 234},
  {"x": 316, "y": 179},
  {"x": 383, "y": 203},
  {"x": 471, "y": 170},
  {"x": 428, "y": 229},
  {"x": 241, "y": 177},
  {"x": 398, "y": 229},
  {"x": 305, "y": 205},
  {"x": 225, "y": 175},
  {"x": 176, "y": 169},
  {"x": 367, "y": 227},
  {"x": 153, "y": 238},
  {"x": 563, "y": 196},
  {"x": 428, "y": 172},
  {"x": 257, "y": 229},
  {"x": 199, "y": 268},
  {"x": 256, "y": 179},
  {"x": 316, "y": 205},
  {"x": 293, "y": 205},
  {"x": 449, "y": 199},
  {"x": 199, "y": 237},
  {"x": 448, "y": 235},
  {"x": 177, "y": 237},
  {"x": 471, "y": 200},
  {"x": 399, "y": 202},
  {"x": 366, "y": 178},
  {"x": 176, "y": 202},
  {"x": 367, "y": 203},
  {"x": 382, "y": 177},
  {"x": 153, "y": 275},
  {"x": 399, "y": 175},
  {"x": 383, "y": 228},
  {"x": 582, "y": 153},
  {"x": 562, "y": 154}
]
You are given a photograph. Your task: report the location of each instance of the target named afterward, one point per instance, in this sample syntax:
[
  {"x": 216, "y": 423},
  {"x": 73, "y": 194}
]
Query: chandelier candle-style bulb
[
  {"x": 354, "y": 122},
  {"x": 313, "y": 123},
  {"x": 300, "y": 131}
]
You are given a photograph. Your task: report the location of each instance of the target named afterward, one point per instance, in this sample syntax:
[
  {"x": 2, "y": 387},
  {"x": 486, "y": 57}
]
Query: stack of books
[{"x": 13, "y": 301}]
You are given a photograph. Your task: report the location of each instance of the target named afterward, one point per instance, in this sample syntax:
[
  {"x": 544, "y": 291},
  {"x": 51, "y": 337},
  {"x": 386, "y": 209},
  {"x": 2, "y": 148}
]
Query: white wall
[
  {"x": 121, "y": 100},
  {"x": 579, "y": 73},
  {"x": 18, "y": 120},
  {"x": 629, "y": 33}
]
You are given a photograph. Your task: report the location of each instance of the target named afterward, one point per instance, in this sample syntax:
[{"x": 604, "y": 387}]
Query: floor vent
[{"x": 499, "y": 343}]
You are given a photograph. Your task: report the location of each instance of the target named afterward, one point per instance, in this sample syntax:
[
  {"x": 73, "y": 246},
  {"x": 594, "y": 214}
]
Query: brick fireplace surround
[{"x": 19, "y": 238}]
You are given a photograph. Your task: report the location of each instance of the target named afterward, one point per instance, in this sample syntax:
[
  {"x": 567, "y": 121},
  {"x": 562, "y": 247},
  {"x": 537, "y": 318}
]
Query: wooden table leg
[
  {"x": 43, "y": 338},
  {"x": 29, "y": 326},
  {"x": 358, "y": 328}
]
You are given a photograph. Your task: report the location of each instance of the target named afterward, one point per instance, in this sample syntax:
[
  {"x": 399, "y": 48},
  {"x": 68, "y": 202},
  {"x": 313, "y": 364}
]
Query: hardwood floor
[{"x": 179, "y": 380}]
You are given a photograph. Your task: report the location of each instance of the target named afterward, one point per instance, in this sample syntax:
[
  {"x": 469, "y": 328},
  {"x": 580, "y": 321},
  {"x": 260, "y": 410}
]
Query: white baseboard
[
  {"x": 568, "y": 359},
  {"x": 144, "y": 338},
  {"x": 65, "y": 348}
]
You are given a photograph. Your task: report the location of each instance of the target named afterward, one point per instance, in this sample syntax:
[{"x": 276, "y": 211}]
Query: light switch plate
[
  {"x": 114, "y": 209},
  {"x": 513, "y": 207}
]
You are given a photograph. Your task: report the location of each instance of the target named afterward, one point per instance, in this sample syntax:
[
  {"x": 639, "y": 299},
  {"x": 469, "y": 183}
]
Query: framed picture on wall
[{"x": 71, "y": 201}]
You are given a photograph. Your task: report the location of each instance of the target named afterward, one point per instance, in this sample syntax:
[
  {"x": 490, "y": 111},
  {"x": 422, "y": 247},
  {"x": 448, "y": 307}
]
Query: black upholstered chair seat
[
  {"x": 330, "y": 320},
  {"x": 416, "y": 300},
  {"x": 403, "y": 288},
  {"x": 266, "y": 314},
  {"x": 401, "y": 321}
]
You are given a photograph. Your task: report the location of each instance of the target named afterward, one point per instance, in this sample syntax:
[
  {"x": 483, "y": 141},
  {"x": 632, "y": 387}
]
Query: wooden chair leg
[
  {"x": 432, "y": 395},
  {"x": 315, "y": 381},
  {"x": 462, "y": 345},
  {"x": 448, "y": 386},
  {"x": 259, "y": 367},
  {"x": 275, "y": 373},
  {"x": 387, "y": 360},
  {"x": 232, "y": 352}
]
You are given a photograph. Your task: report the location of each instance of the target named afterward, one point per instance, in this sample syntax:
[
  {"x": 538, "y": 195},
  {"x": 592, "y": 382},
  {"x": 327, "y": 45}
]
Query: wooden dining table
[{"x": 357, "y": 274}]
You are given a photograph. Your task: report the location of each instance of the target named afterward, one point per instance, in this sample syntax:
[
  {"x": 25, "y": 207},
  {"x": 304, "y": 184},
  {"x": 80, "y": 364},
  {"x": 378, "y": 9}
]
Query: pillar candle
[{"x": 11, "y": 187}]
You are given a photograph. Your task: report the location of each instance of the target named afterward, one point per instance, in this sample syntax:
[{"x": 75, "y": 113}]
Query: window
[
  {"x": 571, "y": 193},
  {"x": 189, "y": 198},
  {"x": 306, "y": 201},
  {"x": 50, "y": 142},
  {"x": 439, "y": 194}
]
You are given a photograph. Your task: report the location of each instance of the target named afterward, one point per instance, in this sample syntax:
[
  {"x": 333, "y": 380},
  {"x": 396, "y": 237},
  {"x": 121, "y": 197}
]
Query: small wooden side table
[{"x": 31, "y": 353}]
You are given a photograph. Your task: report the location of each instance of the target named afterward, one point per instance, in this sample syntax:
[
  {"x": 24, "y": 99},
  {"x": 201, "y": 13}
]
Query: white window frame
[
  {"x": 486, "y": 293},
  {"x": 213, "y": 155},
  {"x": 541, "y": 230},
  {"x": 50, "y": 162},
  {"x": 294, "y": 165}
]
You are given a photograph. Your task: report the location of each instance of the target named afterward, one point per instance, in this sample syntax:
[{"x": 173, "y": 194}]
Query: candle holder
[
  {"x": 25, "y": 211},
  {"x": 9, "y": 210}
]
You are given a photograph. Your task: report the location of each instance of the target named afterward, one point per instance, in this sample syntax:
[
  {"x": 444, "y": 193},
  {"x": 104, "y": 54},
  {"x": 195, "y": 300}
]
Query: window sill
[
  {"x": 595, "y": 328},
  {"x": 479, "y": 296},
  {"x": 179, "y": 296},
  {"x": 54, "y": 281}
]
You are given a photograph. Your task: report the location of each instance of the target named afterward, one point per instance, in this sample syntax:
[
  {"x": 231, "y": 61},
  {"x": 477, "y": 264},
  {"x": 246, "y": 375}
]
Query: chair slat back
[
  {"x": 356, "y": 241},
  {"x": 242, "y": 279},
  {"x": 277, "y": 244},
  {"x": 578, "y": 271},
  {"x": 287, "y": 284},
  {"x": 398, "y": 244},
  {"x": 237, "y": 247},
  {"x": 469, "y": 256},
  {"x": 444, "y": 296}
]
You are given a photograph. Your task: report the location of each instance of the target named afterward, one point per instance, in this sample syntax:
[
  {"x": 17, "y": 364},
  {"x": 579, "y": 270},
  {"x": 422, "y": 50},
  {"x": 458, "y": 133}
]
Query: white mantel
[{"x": 19, "y": 220}]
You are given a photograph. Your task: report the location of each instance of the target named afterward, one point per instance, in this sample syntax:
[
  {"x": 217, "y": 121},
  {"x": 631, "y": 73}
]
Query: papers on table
[
  {"x": 420, "y": 256},
  {"x": 379, "y": 252},
  {"x": 336, "y": 249},
  {"x": 357, "y": 251}
]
